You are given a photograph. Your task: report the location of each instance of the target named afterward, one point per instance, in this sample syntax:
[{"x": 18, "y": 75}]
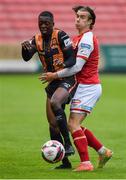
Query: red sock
[
  {"x": 81, "y": 144},
  {"x": 92, "y": 140}
]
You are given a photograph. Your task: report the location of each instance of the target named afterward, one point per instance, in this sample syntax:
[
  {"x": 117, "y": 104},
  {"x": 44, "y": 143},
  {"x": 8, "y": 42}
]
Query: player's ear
[{"x": 89, "y": 21}]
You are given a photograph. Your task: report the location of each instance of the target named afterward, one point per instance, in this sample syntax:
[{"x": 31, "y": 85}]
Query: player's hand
[
  {"x": 58, "y": 63},
  {"x": 43, "y": 78},
  {"x": 26, "y": 45},
  {"x": 48, "y": 77}
]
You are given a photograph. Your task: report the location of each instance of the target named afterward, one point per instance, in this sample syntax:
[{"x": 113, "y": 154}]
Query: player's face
[
  {"x": 45, "y": 25},
  {"x": 82, "y": 21}
]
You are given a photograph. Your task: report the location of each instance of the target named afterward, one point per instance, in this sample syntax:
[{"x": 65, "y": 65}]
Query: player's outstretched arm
[{"x": 66, "y": 72}]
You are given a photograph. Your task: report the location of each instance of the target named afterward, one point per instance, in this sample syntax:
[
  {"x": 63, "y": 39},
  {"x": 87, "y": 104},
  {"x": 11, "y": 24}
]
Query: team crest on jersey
[
  {"x": 87, "y": 46},
  {"x": 67, "y": 42}
]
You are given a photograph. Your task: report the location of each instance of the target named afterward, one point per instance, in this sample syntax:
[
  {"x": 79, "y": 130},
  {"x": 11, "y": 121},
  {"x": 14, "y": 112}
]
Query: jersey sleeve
[
  {"x": 85, "y": 46},
  {"x": 67, "y": 49},
  {"x": 64, "y": 40}
]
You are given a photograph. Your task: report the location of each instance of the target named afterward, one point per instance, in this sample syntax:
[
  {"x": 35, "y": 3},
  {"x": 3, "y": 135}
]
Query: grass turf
[{"x": 23, "y": 128}]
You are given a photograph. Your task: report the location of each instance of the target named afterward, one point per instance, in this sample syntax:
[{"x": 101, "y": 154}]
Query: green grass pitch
[{"x": 24, "y": 127}]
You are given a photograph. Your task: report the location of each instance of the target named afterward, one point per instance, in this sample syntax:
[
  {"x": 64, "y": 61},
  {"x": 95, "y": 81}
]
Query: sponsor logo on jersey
[
  {"x": 85, "y": 52},
  {"x": 67, "y": 42},
  {"x": 66, "y": 85},
  {"x": 75, "y": 101},
  {"x": 87, "y": 46}
]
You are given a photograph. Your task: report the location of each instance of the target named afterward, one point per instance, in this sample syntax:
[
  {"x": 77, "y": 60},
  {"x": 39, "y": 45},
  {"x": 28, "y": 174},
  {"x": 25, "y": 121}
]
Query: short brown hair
[{"x": 88, "y": 9}]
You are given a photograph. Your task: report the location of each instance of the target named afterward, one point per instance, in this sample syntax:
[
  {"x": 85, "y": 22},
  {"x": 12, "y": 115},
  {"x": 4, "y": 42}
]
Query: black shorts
[{"x": 69, "y": 83}]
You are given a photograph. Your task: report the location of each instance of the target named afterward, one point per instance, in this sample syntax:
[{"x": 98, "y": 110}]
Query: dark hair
[
  {"x": 47, "y": 14},
  {"x": 88, "y": 9}
]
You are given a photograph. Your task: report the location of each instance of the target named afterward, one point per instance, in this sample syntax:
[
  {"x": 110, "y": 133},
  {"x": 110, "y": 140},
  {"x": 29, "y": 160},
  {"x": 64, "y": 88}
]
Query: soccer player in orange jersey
[
  {"x": 89, "y": 89},
  {"x": 54, "y": 45}
]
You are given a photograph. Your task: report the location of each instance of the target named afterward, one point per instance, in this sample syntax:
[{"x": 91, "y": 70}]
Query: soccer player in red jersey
[{"x": 89, "y": 89}]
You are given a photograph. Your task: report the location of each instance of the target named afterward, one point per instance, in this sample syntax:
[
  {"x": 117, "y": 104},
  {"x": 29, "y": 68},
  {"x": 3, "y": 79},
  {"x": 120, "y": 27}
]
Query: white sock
[
  {"x": 85, "y": 162},
  {"x": 102, "y": 150}
]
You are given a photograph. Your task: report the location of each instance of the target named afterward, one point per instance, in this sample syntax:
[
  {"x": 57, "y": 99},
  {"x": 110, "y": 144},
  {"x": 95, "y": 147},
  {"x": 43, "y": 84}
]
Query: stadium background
[
  {"x": 22, "y": 101},
  {"x": 18, "y": 22}
]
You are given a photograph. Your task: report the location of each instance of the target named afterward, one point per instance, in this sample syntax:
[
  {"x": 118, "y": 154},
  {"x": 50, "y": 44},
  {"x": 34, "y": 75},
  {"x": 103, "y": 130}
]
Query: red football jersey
[{"x": 86, "y": 47}]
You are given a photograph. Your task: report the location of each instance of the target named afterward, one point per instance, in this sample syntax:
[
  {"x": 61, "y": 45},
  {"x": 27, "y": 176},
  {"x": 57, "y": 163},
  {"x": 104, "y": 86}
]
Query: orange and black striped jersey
[
  {"x": 49, "y": 52},
  {"x": 57, "y": 46}
]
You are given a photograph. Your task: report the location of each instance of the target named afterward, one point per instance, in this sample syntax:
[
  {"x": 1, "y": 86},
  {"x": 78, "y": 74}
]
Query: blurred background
[{"x": 19, "y": 22}]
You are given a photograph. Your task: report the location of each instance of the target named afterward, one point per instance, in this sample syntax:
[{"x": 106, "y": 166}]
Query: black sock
[
  {"x": 62, "y": 124},
  {"x": 66, "y": 160},
  {"x": 57, "y": 136}
]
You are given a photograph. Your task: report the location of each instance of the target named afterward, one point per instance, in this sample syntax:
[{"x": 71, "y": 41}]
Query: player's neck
[
  {"x": 81, "y": 31},
  {"x": 48, "y": 35}
]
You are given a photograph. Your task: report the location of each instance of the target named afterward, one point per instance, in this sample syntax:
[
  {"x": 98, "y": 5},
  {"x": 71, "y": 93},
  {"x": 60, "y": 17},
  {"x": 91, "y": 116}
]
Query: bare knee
[
  {"x": 55, "y": 104},
  {"x": 75, "y": 121}
]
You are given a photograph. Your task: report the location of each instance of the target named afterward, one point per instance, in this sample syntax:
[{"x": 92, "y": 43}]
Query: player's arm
[
  {"x": 85, "y": 47},
  {"x": 65, "y": 72},
  {"x": 72, "y": 70},
  {"x": 28, "y": 49},
  {"x": 67, "y": 49},
  {"x": 84, "y": 50}
]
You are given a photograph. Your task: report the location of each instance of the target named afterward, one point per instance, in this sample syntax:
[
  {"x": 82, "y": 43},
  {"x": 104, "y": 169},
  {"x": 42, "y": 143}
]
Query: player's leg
[
  {"x": 59, "y": 97},
  {"x": 55, "y": 133},
  {"x": 50, "y": 90},
  {"x": 81, "y": 105},
  {"x": 80, "y": 140},
  {"x": 92, "y": 140},
  {"x": 53, "y": 127},
  {"x": 87, "y": 96},
  {"x": 104, "y": 153}
]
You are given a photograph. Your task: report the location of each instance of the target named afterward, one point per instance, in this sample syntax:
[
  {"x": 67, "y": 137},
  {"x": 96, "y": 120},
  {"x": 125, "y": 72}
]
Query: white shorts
[{"x": 85, "y": 98}]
